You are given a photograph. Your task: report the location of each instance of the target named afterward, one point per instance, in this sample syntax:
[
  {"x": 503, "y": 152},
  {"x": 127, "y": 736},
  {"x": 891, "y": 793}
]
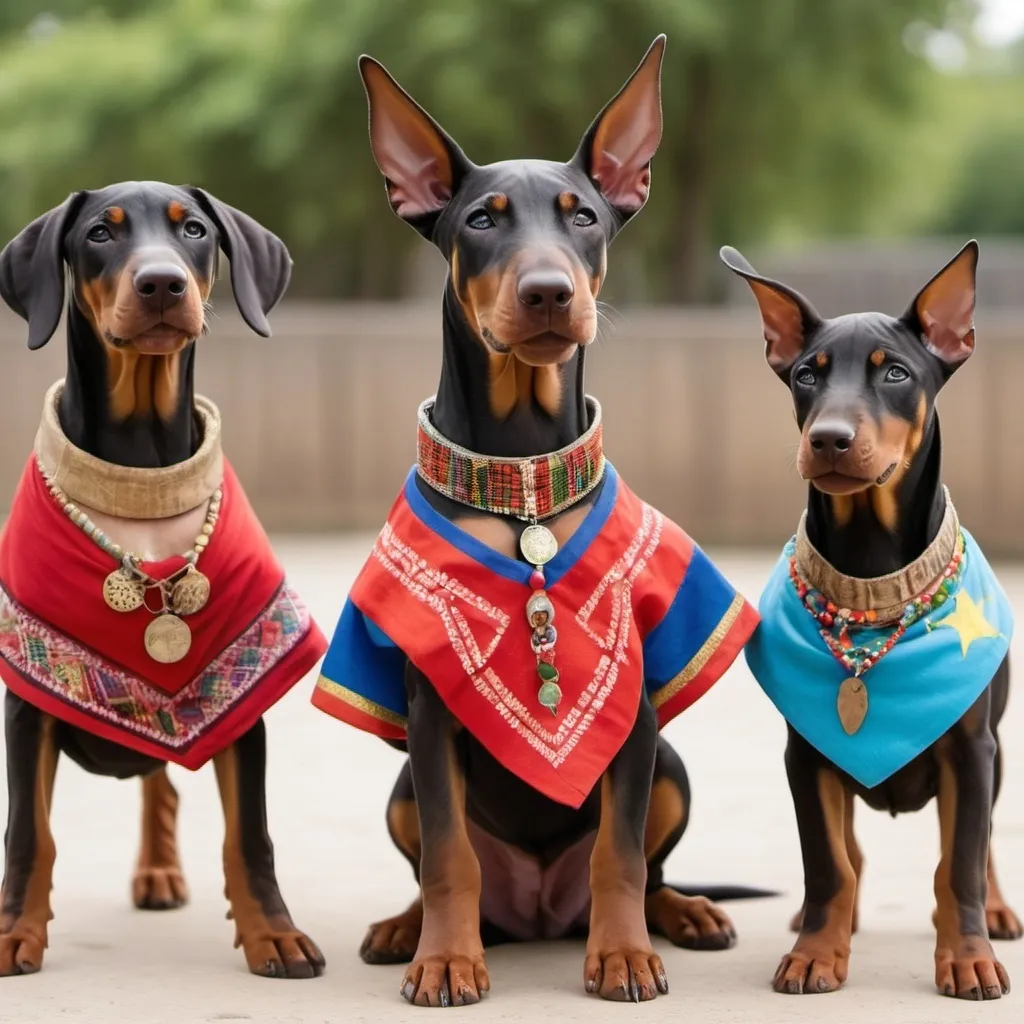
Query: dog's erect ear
[
  {"x": 788, "y": 317},
  {"x": 617, "y": 148},
  {"x": 32, "y": 270},
  {"x": 422, "y": 165},
  {"x": 942, "y": 315},
  {"x": 260, "y": 264}
]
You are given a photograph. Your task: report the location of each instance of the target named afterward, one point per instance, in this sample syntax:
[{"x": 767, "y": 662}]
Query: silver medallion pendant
[{"x": 538, "y": 544}]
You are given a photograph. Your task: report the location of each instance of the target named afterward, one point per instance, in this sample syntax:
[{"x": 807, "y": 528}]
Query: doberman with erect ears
[
  {"x": 143, "y": 615},
  {"x": 525, "y": 624},
  {"x": 884, "y": 632}
]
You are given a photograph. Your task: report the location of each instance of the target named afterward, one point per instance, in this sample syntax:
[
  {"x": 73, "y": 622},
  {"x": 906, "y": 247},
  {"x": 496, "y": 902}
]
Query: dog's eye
[
  {"x": 99, "y": 233},
  {"x": 480, "y": 220},
  {"x": 584, "y": 218},
  {"x": 805, "y": 378},
  {"x": 896, "y": 374},
  {"x": 193, "y": 229}
]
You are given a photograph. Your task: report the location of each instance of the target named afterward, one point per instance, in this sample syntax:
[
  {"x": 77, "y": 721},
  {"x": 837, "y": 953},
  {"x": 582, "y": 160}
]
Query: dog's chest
[
  {"x": 156, "y": 539},
  {"x": 906, "y": 791}
]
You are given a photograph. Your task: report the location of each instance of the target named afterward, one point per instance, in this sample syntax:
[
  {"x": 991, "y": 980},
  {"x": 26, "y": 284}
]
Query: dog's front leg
[
  {"x": 965, "y": 964},
  {"x": 620, "y": 962},
  {"x": 29, "y": 848},
  {"x": 273, "y": 946},
  {"x": 449, "y": 967},
  {"x": 820, "y": 958}
]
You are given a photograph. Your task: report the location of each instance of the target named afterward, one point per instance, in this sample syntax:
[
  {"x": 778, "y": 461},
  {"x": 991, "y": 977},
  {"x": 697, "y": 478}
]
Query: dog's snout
[
  {"x": 550, "y": 290},
  {"x": 161, "y": 284},
  {"x": 831, "y": 437}
]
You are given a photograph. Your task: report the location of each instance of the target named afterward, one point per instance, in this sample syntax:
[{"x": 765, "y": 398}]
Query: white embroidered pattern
[{"x": 444, "y": 593}]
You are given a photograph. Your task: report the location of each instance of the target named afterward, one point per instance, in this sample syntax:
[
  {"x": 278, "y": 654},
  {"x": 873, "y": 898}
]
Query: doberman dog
[
  {"x": 526, "y": 243},
  {"x": 142, "y": 257},
  {"x": 864, "y": 389}
]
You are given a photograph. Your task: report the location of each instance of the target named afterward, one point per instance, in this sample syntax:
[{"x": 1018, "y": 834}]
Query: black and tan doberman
[
  {"x": 526, "y": 242},
  {"x": 864, "y": 389},
  {"x": 142, "y": 257}
]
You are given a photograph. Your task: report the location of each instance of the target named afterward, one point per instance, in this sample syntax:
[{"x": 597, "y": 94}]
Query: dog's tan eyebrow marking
[
  {"x": 498, "y": 202},
  {"x": 822, "y": 360},
  {"x": 878, "y": 357},
  {"x": 175, "y": 211},
  {"x": 568, "y": 201},
  {"x": 114, "y": 214}
]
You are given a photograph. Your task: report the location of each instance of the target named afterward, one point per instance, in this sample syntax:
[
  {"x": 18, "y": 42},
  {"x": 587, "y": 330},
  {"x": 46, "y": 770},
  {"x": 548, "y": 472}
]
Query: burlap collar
[
  {"x": 885, "y": 595},
  {"x": 128, "y": 492}
]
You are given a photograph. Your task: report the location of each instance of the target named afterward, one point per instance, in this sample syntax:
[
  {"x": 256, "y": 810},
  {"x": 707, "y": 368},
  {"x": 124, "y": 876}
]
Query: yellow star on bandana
[{"x": 969, "y": 621}]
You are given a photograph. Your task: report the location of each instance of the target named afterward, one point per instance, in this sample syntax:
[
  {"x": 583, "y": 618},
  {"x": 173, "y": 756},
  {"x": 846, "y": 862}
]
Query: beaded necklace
[
  {"x": 185, "y": 592},
  {"x": 530, "y": 489},
  {"x": 858, "y": 654}
]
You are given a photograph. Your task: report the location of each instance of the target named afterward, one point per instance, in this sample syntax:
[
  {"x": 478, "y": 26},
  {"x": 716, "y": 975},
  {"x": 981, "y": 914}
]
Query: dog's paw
[
  {"x": 395, "y": 940},
  {"x": 692, "y": 922},
  {"x": 1003, "y": 923},
  {"x": 447, "y": 980},
  {"x": 625, "y": 975},
  {"x": 282, "y": 953},
  {"x": 974, "y": 974},
  {"x": 159, "y": 888},
  {"x": 21, "y": 950},
  {"x": 800, "y": 973}
]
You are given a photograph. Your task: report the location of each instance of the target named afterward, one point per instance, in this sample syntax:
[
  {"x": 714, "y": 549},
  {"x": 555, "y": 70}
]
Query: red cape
[{"x": 65, "y": 651}]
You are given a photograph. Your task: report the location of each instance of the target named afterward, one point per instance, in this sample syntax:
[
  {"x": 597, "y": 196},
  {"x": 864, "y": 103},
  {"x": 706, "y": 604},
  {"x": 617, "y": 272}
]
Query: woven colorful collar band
[{"x": 531, "y": 489}]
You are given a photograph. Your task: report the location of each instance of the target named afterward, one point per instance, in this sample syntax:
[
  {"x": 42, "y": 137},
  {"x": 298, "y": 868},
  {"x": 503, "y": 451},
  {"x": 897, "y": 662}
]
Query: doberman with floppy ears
[
  {"x": 142, "y": 257},
  {"x": 864, "y": 389},
  {"x": 526, "y": 242}
]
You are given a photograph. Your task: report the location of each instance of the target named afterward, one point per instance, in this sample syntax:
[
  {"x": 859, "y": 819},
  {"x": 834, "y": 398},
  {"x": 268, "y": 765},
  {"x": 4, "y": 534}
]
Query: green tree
[{"x": 776, "y": 113}]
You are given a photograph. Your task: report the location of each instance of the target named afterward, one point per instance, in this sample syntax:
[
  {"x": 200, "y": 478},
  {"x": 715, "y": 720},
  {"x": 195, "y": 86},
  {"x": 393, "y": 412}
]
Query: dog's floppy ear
[
  {"x": 942, "y": 314},
  {"x": 32, "y": 270},
  {"x": 260, "y": 264},
  {"x": 617, "y": 148},
  {"x": 788, "y": 317},
  {"x": 422, "y": 165}
]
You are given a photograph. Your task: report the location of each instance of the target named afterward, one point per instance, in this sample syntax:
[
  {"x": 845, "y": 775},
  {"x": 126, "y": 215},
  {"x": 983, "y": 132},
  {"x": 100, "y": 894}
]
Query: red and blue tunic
[{"x": 638, "y": 605}]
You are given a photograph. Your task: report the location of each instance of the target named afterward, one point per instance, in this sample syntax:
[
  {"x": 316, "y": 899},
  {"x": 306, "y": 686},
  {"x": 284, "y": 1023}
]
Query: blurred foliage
[{"x": 778, "y": 114}]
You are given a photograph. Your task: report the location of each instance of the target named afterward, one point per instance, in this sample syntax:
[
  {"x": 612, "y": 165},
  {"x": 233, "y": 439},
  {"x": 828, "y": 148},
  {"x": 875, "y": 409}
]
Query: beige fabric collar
[
  {"x": 128, "y": 492},
  {"x": 887, "y": 595}
]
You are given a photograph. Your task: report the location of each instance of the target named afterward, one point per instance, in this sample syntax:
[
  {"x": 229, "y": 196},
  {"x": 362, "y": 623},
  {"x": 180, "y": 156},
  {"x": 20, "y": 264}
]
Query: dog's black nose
[
  {"x": 546, "y": 289},
  {"x": 161, "y": 284},
  {"x": 831, "y": 437}
]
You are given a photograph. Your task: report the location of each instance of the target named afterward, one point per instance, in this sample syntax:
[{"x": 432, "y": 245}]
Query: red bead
[
  {"x": 537, "y": 579},
  {"x": 830, "y": 608},
  {"x": 827, "y": 620}
]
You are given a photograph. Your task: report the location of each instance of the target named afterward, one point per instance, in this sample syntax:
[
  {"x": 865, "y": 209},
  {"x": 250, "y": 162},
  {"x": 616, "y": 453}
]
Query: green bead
[
  {"x": 939, "y": 598},
  {"x": 547, "y": 672},
  {"x": 549, "y": 695}
]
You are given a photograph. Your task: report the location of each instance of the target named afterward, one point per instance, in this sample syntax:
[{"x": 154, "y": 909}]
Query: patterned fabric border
[
  {"x": 538, "y": 487},
  {"x": 702, "y": 657},
  {"x": 93, "y": 686}
]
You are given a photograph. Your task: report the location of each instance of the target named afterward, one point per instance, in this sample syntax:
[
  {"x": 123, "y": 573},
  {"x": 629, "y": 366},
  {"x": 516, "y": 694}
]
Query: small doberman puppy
[
  {"x": 864, "y": 389},
  {"x": 142, "y": 257},
  {"x": 526, "y": 242}
]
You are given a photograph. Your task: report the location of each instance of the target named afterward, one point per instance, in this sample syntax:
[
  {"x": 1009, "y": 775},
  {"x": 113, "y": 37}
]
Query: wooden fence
[{"x": 320, "y": 419}]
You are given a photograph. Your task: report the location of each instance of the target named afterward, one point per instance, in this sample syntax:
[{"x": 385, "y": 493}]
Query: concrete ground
[{"x": 327, "y": 790}]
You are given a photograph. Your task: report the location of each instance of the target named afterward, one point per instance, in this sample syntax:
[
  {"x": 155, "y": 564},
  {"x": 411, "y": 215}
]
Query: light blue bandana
[{"x": 917, "y": 692}]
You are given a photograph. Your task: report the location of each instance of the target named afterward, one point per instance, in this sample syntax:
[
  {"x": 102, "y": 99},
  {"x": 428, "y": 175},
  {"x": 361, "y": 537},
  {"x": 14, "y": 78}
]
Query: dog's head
[
  {"x": 142, "y": 257},
  {"x": 864, "y": 385},
  {"x": 525, "y": 240}
]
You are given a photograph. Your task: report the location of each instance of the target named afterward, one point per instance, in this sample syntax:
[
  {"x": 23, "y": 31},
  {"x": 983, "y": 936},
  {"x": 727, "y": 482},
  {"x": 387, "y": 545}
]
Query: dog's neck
[
  {"x": 146, "y": 438},
  {"x": 881, "y": 530},
  {"x": 463, "y": 413}
]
